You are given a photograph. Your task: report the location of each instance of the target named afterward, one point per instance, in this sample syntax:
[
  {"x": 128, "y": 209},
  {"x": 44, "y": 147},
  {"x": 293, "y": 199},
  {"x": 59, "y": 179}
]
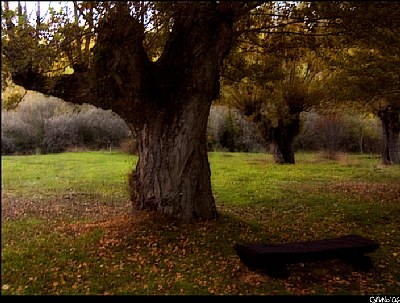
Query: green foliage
[
  {"x": 230, "y": 134},
  {"x": 67, "y": 227},
  {"x": 363, "y": 69},
  {"x": 26, "y": 45},
  {"x": 363, "y": 79},
  {"x": 11, "y": 101}
]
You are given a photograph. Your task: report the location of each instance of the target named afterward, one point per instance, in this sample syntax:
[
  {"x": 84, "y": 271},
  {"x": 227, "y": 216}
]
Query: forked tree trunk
[
  {"x": 390, "y": 120},
  {"x": 173, "y": 174}
]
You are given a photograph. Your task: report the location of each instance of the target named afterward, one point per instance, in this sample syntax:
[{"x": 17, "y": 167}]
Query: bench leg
[
  {"x": 277, "y": 271},
  {"x": 362, "y": 263}
]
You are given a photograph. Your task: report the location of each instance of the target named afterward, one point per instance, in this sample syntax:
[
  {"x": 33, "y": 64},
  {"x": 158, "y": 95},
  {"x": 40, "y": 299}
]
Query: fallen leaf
[{"x": 5, "y": 287}]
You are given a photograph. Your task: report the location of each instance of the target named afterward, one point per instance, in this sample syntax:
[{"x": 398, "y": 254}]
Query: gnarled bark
[{"x": 173, "y": 174}]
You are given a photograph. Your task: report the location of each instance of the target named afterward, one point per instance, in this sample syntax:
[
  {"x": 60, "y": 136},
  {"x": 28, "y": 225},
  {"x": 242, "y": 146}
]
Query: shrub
[
  {"x": 231, "y": 133},
  {"x": 52, "y": 125},
  {"x": 61, "y": 132},
  {"x": 25, "y": 138},
  {"x": 340, "y": 132},
  {"x": 92, "y": 128},
  {"x": 7, "y": 146},
  {"x": 228, "y": 130},
  {"x": 102, "y": 129}
]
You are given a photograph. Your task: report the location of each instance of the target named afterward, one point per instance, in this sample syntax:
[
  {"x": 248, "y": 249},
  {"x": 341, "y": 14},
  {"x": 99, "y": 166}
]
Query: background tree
[
  {"x": 165, "y": 102},
  {"x": 327, "y": 28},
  {"x": 368, "y": 84},
  {"x": 271, "y": 75},
  {"x": 365, "y": 74}
]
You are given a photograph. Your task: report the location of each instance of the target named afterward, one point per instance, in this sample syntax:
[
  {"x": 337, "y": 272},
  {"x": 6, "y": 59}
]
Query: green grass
[
  {"x": 94, "y": 173},
  {"x": 68, "y": 228}
]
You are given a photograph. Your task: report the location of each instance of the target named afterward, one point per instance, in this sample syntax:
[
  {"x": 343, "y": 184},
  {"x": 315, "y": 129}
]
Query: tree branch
[
  {"x": 66, "y": 87},
  {"x": 117, "y": 72}
]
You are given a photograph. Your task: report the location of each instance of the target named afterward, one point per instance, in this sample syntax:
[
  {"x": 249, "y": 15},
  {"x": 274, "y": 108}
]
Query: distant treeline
[
  {"x": 336, "y": 132},
  {"x": 49, "y": 125}
]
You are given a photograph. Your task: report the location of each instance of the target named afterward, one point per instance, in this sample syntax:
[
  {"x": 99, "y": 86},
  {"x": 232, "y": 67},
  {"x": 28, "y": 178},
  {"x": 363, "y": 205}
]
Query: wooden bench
[{"x": 272, "y": 259}]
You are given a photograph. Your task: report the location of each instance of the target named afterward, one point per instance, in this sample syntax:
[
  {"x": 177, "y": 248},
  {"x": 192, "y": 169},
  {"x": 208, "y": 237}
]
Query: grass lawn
[{"x": 68, "y": 226}]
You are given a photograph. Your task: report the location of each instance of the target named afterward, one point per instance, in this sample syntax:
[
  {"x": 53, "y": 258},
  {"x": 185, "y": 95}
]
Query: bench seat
[{"x": 274, "y": 257}]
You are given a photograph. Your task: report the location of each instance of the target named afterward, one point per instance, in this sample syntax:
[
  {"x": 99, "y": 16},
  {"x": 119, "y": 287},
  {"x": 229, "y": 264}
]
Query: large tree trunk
[
  {"x": 390, "y": 120},
  {"x": 282, "y": 137},
  {"x": 173, "y": 174}
]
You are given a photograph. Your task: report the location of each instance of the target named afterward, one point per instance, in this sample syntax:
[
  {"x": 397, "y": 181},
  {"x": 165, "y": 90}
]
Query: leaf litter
[{"x": 168, "y": 255}]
